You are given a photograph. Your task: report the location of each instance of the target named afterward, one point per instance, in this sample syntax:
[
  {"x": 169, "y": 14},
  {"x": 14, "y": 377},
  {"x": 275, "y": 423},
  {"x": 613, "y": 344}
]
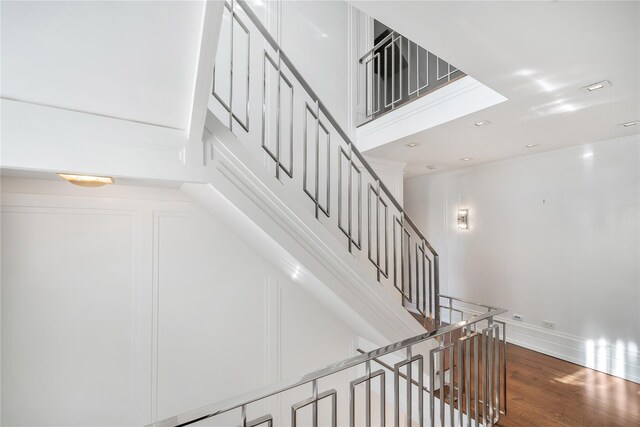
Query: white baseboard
[{"x": 618, "y": 359}]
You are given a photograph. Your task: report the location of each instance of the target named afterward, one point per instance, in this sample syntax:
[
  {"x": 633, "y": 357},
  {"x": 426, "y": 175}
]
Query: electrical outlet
[
  {"x": 548, "y": 325},
  {"x": 518, "y": 317}
]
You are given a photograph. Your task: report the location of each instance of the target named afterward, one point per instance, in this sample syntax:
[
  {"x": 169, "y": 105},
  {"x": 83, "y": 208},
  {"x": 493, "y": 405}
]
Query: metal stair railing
[
  {"x": 470, "y": 390},
  {"x": 396, "y": 71},
  {"x": 329, "y": 169}
]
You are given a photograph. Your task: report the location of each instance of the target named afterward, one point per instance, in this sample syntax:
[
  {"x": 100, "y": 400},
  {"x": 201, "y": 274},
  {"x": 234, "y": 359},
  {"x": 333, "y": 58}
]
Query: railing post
[{"x": 436, "y": 289}]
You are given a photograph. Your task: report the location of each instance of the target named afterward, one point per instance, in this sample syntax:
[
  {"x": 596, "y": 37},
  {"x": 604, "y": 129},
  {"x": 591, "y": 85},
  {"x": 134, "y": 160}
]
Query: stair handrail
[
  {"x": 242, "y": 400},
  {"x": 354, "y": 150}
]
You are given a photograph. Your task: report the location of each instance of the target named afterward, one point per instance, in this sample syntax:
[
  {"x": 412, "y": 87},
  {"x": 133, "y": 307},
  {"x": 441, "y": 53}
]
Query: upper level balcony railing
[{"x": 396, "y": 71}]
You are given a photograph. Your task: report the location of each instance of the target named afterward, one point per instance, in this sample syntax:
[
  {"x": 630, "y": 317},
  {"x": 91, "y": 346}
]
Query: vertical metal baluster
[
  {"x": 352, "y": 406},
  {"x": 461, "y": 374},
  {"x": 484, "y": 376},
  {"x": 378, "y": 85},
  {"x": 402, "y": 284},
  {"x": 432, "y": 374},
  {"x": 328, "y": 160},
  {"x": 425, "y": 296},
  {"x": 436, "y": 290},
  {"x": 467, "y": 378},
  {"x": 497, "y": 369},
  {"x": 396, "y": 398},
  {"x": 417, "y": 279},
  {"x": 305, "y": 147},
  {"x": 248, "y": 72},
  {"x": 383, "y": 401},
  {"x": 441, "y": 395},
  {"x": 366, "y": 86},
  {"x": 490, "y": 373},
  {"x": 264, "y": 99},
  {"x": 231, "y": 70},
  {"x": 317, "y": 186},
  {"x": 401, "y": 73},
  {"x": 418, "y": 70},
  {"x": 349, "y": 197},
  {"x": 421, "y": 390},
  {"x": 378, "y": 227},
  {"x": 409, "y": 379},
  {"x": 368, "y": 393},
  {"x": 504, "y": 364},
  {"x": 452, "y": 417},
  {"x": 334, "y": 410},
  {"x": 393, "y": 74},
  {"x": 394, "y": 238},
  {"x": 360, "y": 191},
  {"x": 476, "y": 390},
  {"x": 386, "y": 75},
  {"x": 314, "y": 405},
  {"x": 278, "y": 99},
  {"x": 243, "y": 415}
]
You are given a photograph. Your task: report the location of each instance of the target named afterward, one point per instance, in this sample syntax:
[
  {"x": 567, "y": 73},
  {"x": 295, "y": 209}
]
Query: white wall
[
  {"x": 391, "y": 173},
  {"x": 314, "y": 35},
  {"x": 125, "y": 304},
  {"x": 553, "y": 236}
]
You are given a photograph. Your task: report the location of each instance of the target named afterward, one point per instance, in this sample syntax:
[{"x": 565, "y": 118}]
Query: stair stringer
[{"x": 292, "y": 238}]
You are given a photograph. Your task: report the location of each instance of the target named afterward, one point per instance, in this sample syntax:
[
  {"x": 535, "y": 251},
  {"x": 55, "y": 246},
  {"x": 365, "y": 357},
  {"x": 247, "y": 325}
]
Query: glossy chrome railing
[
  {"x": 396, "y": 71},
  {"x": 307, "y": 150},
  {"x": 469, "y": 390}
]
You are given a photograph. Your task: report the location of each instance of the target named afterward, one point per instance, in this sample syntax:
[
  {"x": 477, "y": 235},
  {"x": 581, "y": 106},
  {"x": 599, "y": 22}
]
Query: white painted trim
[
  {"x": 276, "y": 219},
  {"x": 36, "y": 137},
  {"x": 378, "y": 163},
  {"x": 457, "y": 99},
  {"x": 203, "y": 80},
  {"x": 571, "y": 348}
]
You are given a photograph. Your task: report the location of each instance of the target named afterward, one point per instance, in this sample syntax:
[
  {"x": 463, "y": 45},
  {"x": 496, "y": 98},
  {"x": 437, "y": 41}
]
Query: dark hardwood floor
[{"x": 545, "y": 391}]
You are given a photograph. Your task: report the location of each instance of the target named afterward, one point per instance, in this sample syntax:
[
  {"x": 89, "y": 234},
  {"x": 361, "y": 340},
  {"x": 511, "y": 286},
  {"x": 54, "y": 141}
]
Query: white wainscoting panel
[{"x": 123, "y": 305}]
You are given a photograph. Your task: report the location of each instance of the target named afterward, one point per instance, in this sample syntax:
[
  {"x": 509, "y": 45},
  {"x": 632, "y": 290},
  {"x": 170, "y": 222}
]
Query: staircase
[{"x": 457, "y": 365}]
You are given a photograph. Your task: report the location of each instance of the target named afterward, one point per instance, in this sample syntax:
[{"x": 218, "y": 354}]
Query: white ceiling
[
  {"x": 537, "y": 54},
  {"x": 133, "y": 60}
]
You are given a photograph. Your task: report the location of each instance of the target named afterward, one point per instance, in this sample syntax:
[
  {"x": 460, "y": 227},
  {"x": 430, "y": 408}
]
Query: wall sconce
[{"x": 463, "y": 219}]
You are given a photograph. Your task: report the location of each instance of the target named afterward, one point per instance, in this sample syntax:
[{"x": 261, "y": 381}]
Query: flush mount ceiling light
[
  {"x": 531, "y": 145},
  {"x": 412, "y": 145},
  {"x": 465, "y": 159},
  {"x": 482, "y": 123},
  {"x": 629, "y": 124},
  {"x": 87, "y": 180},
  {"x": 598, "y": 85}
]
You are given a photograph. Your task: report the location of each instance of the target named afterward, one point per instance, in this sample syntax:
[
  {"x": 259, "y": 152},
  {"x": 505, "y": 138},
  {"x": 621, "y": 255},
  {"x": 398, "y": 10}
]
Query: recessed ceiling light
[
  {"x": 531, "y": 145},
  {"x": 412, "y": 145},
  {"x": 465, "y": 159},
  {"x": 598, "y": 85},
  {"x": 87, "y": 180},
  {"x": 482, "y": 123},
  {"x": 432, "y": 167},
  {"x": 628, "y": 124}
]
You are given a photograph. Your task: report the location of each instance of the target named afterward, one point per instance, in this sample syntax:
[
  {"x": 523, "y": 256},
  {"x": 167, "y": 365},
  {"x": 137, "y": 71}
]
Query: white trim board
[
  {"x": 275, "y": 219},
  {"x": 622, "y": 362},
  {"x": 457, "y": 99}
]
